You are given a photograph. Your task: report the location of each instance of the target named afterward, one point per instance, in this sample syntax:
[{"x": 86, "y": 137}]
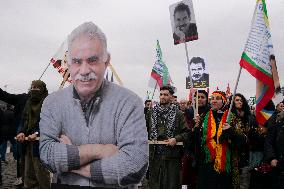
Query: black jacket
[
  {"x": 18, "y": 101},
  {"x": 7, "y": 129},
  {"x": 274, "y": 142}
]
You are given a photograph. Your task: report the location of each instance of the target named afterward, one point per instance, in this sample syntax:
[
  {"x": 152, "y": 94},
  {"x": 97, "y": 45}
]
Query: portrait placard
[
  {"x": 199, "y": 73},
  {"x": 183, "y": 22}
]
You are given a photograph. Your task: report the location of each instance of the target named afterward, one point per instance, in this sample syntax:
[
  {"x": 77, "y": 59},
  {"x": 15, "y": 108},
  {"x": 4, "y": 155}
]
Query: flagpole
[
  {"x": 44, "y": 71},
  {"x": 147, "y": 95},
  {"x": 154, "y": 90},
  {"x": 196, "y": 98},
  {"x": 115, "y": 74},
  {"x": 191, "y": 83},
  {"x": 65, "y": 78},
  {"x": 235, "y": 89}
]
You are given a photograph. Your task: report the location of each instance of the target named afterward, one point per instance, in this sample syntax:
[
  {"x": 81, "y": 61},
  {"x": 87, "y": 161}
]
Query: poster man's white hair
[{"x": 93, "y": 31}]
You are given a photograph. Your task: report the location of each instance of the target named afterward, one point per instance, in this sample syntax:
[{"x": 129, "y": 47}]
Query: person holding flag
[{"x": 220, "y": 142}]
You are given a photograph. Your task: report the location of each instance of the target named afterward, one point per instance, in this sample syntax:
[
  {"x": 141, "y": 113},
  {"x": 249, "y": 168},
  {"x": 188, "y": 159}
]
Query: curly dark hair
[{"x": 245, "y": 106}]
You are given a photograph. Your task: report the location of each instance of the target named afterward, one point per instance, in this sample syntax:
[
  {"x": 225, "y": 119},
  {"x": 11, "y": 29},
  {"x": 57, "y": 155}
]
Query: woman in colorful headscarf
[{"x": 219, "y": 140}]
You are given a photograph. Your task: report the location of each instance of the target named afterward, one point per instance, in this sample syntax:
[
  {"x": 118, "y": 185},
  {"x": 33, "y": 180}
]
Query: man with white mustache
[
  {"x": 90, "y": 76},
  {"x": 93, "y": 133}
]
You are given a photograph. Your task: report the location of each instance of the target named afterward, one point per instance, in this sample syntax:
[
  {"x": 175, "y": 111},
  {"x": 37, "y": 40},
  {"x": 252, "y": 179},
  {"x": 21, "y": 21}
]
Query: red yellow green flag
[{"x": 256, "y": 59}]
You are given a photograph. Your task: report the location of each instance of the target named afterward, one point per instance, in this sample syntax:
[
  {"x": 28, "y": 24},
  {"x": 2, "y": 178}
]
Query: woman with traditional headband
[{"x": 219, "y": 140}]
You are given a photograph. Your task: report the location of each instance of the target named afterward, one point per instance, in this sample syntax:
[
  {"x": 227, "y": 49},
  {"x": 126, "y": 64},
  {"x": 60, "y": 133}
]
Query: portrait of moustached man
[{"x": 183, "y": 22}]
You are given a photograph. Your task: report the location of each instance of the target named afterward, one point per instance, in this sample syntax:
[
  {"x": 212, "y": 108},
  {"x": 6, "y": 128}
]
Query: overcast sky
[{"x": 33, "y": 30}]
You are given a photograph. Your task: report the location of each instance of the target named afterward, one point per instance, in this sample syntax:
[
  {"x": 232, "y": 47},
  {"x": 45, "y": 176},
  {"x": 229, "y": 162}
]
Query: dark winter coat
[
  {"x": 7, "y": 128},
  {"x": 273, "y": 146},
  {"x": 18, "y": 101}
]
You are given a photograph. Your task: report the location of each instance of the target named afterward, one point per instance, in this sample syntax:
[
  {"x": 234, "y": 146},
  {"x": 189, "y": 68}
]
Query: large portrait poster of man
[
  {"x": 199, "y": 74},
  {"x": 183, "y": 22}
]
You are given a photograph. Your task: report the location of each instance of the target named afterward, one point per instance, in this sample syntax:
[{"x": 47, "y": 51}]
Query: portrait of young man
[{"x": 183, "y": 22}]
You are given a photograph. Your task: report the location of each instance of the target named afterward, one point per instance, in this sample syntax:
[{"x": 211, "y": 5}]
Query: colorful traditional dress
[{"x": 219, "y": 157}]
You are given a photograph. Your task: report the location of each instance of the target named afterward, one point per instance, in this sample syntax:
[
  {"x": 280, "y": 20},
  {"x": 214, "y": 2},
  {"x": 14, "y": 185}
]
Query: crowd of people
[
  {"x": 95, "y": 134},
  {"x": 221, "y": 149}
]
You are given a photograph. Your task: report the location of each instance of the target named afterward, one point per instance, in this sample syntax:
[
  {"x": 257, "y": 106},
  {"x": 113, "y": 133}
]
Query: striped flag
[
  {"x": 256, "y": 59},
  {"x": 160, "y": 73},
  {"x": 59, "y": 60}
]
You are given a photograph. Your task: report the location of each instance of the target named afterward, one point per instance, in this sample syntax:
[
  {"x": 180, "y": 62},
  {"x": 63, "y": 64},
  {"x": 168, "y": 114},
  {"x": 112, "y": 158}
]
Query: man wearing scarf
[
  {"x": 219, "y": 142},
  {"x": 167, "y": 124},
  {"x": 36, "y": 176}
]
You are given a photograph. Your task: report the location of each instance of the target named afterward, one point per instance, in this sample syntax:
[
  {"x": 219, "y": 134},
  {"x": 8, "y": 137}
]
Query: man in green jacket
[{"x": 167, "y": 128}]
